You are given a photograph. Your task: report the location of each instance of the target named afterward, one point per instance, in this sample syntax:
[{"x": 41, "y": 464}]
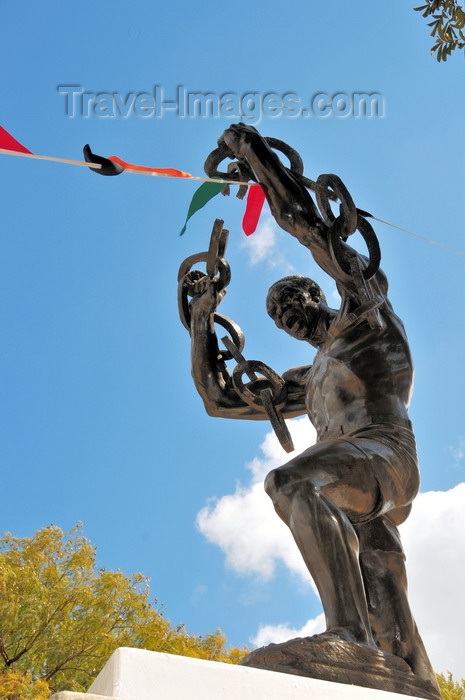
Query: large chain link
[
  {"x": 350, "y": 264},
  {"x": 267, "y": 393},
  {"x": 327, "y": 188}
]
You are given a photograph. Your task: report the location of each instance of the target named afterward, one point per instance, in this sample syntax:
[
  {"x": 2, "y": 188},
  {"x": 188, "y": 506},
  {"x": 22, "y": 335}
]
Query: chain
[
  {"x": 350, "y": 264},
  {"x": 267, "y": 393},
  {"x": 326, "y": 188}
]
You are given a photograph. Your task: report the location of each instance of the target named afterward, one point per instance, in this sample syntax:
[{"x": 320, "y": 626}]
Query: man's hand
[
  {"x": 239, "y": 138},
  {"x": 206, "y": 297}
]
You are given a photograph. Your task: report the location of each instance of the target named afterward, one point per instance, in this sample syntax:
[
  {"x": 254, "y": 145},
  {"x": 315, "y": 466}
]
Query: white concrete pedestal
[{"x": 136, "y": 674}]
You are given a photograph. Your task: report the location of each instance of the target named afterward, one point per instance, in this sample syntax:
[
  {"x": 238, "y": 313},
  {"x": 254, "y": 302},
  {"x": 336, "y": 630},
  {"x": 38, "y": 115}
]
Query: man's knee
[
  {"x": 272, "y": 484},
  {"x": 286, "y": 489},
  {"x": 341, "y": 477},
  {"x": 279, "y": 482},
  {"x": 284, "y": 484},
  {"x": 278, "y": 486}
]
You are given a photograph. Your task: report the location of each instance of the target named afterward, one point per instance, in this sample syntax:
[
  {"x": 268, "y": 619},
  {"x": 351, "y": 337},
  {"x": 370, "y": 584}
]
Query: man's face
[{"x": 294, "y": 310}]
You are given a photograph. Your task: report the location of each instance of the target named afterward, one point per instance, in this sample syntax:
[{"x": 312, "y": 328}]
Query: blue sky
[{"x": 100, "y": 421}]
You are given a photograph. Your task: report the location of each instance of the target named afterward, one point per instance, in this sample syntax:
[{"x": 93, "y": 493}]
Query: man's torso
[{"x": 360, "y": 377}]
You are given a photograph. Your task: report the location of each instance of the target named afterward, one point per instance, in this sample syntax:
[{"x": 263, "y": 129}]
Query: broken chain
[
  {"x": 268, "y": 393},
  {"x": 350, "y": 264},
  {"x": 326, "y": 188}
]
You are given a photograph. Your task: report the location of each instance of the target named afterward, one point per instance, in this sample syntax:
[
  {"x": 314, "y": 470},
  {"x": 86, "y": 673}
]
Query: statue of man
[{"x": 343, "y": 497}]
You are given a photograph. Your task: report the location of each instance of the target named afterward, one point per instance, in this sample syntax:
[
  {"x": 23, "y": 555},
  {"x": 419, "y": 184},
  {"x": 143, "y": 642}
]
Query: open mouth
[{"x": 293, "y": 322}]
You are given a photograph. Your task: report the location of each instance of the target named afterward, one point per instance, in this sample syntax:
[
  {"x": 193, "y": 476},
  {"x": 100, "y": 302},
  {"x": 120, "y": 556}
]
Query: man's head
[{"x": 295, "y": 304}]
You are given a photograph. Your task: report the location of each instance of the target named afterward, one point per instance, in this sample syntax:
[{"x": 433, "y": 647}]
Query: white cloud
[
  {"x": 228, "y": 521},
  {"x": 433, "y": 537},
  {"x": 458, "y": 452},
  {"x": 261, "y": 246},
  {"x": 434, "y": 542},
  {"x": 281, "y": 633}
]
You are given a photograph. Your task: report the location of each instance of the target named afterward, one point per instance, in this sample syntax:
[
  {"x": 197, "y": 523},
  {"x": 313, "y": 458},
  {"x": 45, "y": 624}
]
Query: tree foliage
[
  {"x": 450, "y": 689},
  {"x": 61, "y": 617},
  {"x": 21, "y": 686},
  {"x": 448, "y": 22}
]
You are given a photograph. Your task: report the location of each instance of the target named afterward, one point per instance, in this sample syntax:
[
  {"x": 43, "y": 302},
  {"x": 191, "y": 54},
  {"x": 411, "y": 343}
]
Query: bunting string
[
  {"x": 418, "y": 236},
  {"x": 209, "y": 188},
  {"x": 96, "y": 166},
  {"x": 140, "y": 170}
]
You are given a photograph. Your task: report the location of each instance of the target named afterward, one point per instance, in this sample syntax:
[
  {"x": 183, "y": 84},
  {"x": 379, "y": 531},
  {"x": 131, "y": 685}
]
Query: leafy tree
[
  {"x": 448, "y": 21},
  {"x": 61, "y": 617},
  {"x": 21, "y": 686},
  {"x": 450, "y": 689}
]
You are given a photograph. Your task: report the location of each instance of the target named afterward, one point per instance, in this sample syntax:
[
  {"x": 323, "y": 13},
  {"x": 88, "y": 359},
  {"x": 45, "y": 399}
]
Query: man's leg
[
  {"x": 314, "y": 493},
  {"x": 382, "y": 563}
]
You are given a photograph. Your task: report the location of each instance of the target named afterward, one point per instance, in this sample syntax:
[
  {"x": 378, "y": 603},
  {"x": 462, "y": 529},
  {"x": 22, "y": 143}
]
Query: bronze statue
[{"x": 343, "y": 497}]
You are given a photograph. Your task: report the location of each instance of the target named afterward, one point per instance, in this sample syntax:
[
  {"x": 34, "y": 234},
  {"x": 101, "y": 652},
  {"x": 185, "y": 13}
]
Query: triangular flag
[
  {"x": 8, "y": 143},
  {"x": 201, "y": 196},
  {"x": 254, "y": 206}
]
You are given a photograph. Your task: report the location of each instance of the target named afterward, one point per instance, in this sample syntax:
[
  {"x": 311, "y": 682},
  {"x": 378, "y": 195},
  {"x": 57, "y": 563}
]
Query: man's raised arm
[{"x": 290, "y": 203}]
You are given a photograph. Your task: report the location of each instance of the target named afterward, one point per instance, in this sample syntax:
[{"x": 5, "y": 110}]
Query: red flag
[
  {"x": 255, "y": 201},
  {"x": 11, "y": 144}
]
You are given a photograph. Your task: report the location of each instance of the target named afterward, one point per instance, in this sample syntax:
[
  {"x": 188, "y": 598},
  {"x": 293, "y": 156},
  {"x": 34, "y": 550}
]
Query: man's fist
[
  {"x": 205, "y": 295},
  {"x": 238, "y": 138}
]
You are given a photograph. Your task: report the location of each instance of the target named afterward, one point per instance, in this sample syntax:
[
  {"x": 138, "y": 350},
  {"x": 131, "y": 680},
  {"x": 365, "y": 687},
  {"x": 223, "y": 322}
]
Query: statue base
[
  {"x": 137, "y": 674},
  {"x": 341, "y": 661}
]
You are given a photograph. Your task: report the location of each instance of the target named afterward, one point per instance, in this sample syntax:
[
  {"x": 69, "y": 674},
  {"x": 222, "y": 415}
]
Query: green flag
[{"x": 201, "y": 196}]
